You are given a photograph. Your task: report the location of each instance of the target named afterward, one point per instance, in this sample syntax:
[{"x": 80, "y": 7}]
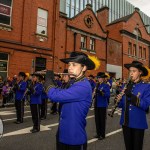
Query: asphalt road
[{"x": 18, "y": 137}]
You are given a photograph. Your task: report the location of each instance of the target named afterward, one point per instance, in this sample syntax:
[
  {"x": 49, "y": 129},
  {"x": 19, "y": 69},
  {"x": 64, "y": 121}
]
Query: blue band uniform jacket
[
  {"x": 101, "y": 100},
  {"x": 76, "y": 102},
  {"x": 35, "y": 97},
  {"x": 22, "y": 85},
  {"x": 137, "y": 113}
]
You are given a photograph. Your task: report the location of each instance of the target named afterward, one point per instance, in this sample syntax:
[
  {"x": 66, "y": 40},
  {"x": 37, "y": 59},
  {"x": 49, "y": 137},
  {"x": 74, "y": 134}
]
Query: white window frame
[
  {"x": 83, "y": 41},
  {"x": 8, "y": 15},
  {"x": 92, "y": 44},
  {"x": 7, "y": 61},
  {"x": 39, "y": 24}
]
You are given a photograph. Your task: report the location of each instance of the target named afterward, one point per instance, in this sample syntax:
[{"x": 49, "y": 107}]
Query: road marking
[
  {"x": 15, "y": 118},
  {"x": 25, "y": 131},
  {"x": 5, "y": 113},
  {"x": 107, "y": 135}
]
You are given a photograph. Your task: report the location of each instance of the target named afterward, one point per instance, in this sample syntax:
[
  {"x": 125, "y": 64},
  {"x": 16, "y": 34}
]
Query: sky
[{"x": 143, "y": 5}]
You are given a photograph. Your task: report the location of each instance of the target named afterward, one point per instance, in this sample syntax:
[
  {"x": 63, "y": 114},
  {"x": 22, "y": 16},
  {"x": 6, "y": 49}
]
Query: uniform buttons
[{"x": 130, "y": 109}]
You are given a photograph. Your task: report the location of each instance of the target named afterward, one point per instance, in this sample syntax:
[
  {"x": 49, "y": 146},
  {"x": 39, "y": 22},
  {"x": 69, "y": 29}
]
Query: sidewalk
[{"x": 7, "y": 104}]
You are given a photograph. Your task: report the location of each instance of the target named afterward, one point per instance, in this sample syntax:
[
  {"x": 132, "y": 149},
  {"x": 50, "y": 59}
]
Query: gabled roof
[
  {"x": 126, "y": 18},
  {"x": 88, "y": 6},
  {"x": 123, "y": 19}
]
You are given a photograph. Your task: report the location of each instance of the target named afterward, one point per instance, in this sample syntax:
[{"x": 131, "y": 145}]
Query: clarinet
[
  {"x": 94, "y": 94},
  {"x": 111, "y": 114}
]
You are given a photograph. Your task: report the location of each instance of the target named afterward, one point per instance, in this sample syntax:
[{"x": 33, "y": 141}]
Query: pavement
[{"x": 18, "y": 137}]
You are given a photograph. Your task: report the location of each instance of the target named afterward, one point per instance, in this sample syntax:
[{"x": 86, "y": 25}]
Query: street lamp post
[{"x": 137, "y": 39}]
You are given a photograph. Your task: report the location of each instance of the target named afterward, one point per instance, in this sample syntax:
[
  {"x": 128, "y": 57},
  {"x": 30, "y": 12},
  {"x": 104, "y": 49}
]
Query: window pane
[
  {"x": 6, "y": 2},
  {"x": 42, "y": 13},
  {"x": 130, "y": 48},
  {"x": 41, "y": 30},
  {"x": 3, "y": 56},
  {"x": 3, "y": 75},
  {"x": 42, "y": 21},
  {"x": 3, "y": 66},
  {"x": 40, "y": 64},
  {"x": 5, "y": 19}
]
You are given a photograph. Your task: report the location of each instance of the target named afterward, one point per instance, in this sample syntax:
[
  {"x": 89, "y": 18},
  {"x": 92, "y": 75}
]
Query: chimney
[
  {"x": 89, "y": 6},
  {"x": 137, "y": 9},
  {"x": 103, "y": 16}
]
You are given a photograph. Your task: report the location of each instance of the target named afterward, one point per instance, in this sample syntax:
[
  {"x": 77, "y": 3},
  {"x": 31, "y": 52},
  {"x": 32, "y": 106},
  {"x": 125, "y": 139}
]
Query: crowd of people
[{"x": 75, "y": 93}]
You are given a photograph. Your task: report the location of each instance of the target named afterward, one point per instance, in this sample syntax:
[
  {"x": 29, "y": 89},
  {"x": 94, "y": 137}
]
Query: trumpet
[{"x": 111, "y": 114}]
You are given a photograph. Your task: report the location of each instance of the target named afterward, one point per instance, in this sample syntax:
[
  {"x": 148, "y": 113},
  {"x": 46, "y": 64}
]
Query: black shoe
[
  {"x": 18, "y": 122},
  {"x": 34, "y": 130},
  {"x": 42, "y": 118},
  {"x": 96, "y": 136},
  {"x": 101, "y": 138},
  {"x": 54, "y": 113}
]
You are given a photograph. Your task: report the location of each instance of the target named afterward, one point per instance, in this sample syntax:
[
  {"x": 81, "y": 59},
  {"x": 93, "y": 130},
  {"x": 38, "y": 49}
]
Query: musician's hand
[
  {"x": 32, "y": 89},
  {"x": 128, "y": 92},
  {"x": 118, "y": 97},
  {"x": 101, "y": 92},
  {"x": 49, "y": 80},
  {"x": 16, "y": 87}
]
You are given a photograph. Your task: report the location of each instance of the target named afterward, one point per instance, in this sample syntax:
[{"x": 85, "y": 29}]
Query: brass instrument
[{"x": 111, "y": 114}]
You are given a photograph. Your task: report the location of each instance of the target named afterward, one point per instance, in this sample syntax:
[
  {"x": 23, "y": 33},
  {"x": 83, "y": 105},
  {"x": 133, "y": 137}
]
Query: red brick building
[
  {"x": 35, "y": 35},
  {"x": 26, "y": 37},
  {"x": 81, "y": 33},
  {"x": 124, "y": 45}
]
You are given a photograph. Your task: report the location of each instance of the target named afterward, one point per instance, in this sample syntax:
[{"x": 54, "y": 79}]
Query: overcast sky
[{"x": 143, "y": 5}]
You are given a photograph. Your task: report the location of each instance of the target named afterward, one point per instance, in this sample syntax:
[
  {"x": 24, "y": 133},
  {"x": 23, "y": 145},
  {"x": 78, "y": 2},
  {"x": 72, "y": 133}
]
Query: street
[{"x": 18, "y": 137}]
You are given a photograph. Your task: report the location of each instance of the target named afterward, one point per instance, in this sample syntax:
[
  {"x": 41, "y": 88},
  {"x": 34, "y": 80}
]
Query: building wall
[
  {"x": 23, "y": 44},
  {"x": 21, "y": 41},
  {"x": 129, "y": 26}
]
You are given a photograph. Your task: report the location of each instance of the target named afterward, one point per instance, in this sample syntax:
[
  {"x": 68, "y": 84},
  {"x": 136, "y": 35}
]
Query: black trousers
[
  {"x": 100, "y": 120},
  {"x": 5, "y": 99},
  {"x": 19, "y": 104},
  {"x": 133, "y": 138},
  {"x": 54, "y": 107},
  {"x": 44, "y": 108},
  {"x": 61, "y": 146},
  {"x": 35, "y": 112}
]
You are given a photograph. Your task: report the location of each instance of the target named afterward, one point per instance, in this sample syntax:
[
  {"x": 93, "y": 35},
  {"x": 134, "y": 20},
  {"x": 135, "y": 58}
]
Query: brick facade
[
  {"x": 122, "y": 31},
  {"x": 21, "y": 42}
]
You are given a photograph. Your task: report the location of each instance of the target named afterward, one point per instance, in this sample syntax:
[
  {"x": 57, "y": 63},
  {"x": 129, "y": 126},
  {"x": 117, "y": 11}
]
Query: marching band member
[
  {"x": 5, "y": 93},
  {"x": 92, "y": 82},
  {"x": 44, "y": 101},
  {"x": 20, "y": 89},
  {"x": 35, "y": 101},
  {"x": 66, "y": 82},
  {"x": 108, "y": 81},
  {"x": 54, "y": 104},
  {"x": 134, "y": 103},
  {"x": 101, "y": 104},
  {"x": 76, "y": 101}
]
